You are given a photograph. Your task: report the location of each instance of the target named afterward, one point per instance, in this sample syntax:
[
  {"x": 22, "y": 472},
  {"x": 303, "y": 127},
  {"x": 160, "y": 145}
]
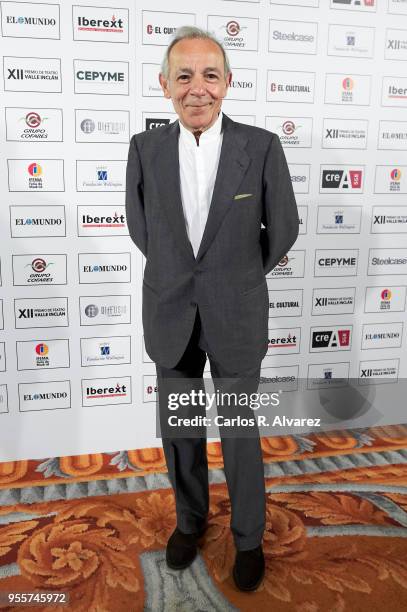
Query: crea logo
[
  {"x": 42, "y": 349},
  {"x": 35, "y": 169}
]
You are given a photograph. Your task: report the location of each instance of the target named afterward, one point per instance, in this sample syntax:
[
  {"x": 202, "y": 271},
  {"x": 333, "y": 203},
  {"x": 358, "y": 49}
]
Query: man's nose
[{"x": 198, "y": 86}]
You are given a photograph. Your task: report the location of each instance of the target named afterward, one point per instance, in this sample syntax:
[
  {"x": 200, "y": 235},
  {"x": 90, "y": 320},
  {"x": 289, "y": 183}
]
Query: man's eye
[
  {"x": 212, "y": 76},
  {"x": 183, "y": 77}
]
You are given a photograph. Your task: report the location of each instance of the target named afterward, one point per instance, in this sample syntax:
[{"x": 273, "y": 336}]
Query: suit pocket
[
  {"x": 150, "y": 288},
  {"x": 254, "y": 290}
]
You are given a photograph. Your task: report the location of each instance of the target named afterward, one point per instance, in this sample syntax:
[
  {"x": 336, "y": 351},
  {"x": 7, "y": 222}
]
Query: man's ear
[
  {"x": 164, "y": 85},
  {"x": 229, "y": 78}
]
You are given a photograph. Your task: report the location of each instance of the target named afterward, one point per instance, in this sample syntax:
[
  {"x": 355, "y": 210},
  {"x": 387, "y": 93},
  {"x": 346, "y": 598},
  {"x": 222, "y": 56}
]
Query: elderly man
[{"x": 210, "y": 204}]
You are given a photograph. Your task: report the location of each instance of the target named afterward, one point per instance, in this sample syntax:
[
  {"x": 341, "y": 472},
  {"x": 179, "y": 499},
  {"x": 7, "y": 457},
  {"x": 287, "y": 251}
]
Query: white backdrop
[{"x": 328, "y": 76}]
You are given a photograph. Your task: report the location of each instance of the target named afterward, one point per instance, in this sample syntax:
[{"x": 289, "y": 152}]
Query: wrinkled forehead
[{"x": 196, "y": 55}]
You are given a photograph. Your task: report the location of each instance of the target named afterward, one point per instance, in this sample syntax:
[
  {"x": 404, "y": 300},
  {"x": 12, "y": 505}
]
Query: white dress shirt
[{"x": 198, "y": 167}]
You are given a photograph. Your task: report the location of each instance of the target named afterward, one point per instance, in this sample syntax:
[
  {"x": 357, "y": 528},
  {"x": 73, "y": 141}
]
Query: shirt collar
[{"x": 207, "y": 136}]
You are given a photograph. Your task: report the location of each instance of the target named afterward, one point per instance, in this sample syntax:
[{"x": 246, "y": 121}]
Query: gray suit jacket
[{"x": 227, "y": 278}]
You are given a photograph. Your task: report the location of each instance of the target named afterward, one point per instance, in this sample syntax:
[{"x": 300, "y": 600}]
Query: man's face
[{"x": 197, "y": 83}]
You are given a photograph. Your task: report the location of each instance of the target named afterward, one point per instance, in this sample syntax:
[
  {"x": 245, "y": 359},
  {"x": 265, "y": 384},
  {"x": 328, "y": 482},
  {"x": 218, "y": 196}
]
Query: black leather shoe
[
  {"x": 182, "y": 548},
  {"x": 248, "y": 570}
]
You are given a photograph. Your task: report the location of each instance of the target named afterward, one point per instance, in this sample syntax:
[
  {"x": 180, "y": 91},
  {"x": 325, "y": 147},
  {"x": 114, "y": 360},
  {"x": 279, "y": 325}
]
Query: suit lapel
[
  {"x": 168, "y": 181},
  {"x": 233, "y": 163}
]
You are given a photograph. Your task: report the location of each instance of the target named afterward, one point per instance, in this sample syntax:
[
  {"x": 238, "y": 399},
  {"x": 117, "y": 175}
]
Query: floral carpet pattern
[{"x": 335, "y": 540}]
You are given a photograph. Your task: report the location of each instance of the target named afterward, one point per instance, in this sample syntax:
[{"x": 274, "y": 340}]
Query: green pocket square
[{"x": 240, "y": 196}]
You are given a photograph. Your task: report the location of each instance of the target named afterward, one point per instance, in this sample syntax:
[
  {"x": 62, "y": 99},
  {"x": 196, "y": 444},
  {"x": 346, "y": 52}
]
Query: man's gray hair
[{"x": 191, "y": 32}]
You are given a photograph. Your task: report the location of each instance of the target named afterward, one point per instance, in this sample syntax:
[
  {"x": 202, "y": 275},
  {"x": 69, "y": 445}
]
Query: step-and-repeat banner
[{"x": 328, "y": 76}]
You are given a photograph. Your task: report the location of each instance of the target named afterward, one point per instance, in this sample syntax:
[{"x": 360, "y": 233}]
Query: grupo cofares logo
[
  {"x": 237, "y": 33},
  {"x": 294, "y": 132},
  {"x": 34, "y": 124},
  {"x": 34, "y": 270},
  {"x": 291, "y": 265}
]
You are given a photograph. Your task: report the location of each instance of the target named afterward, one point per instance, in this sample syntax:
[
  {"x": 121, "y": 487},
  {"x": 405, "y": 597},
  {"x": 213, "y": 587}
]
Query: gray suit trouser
[{"x": 186, "y": 458}]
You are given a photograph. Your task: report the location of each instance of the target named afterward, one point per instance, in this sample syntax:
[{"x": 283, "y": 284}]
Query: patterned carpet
[{"x": 96, "y": 526}]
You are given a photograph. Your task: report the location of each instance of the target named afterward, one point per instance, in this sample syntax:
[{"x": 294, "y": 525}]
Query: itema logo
[
  {"x": 41, "y": 349},
  {"x": 42, "y": 359},
  {"x": 35, "y": 169},
  {"x": 395, "y": 174},
  {"x": 119, "y": 390},
  {"x": 85, "y": 24}
]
